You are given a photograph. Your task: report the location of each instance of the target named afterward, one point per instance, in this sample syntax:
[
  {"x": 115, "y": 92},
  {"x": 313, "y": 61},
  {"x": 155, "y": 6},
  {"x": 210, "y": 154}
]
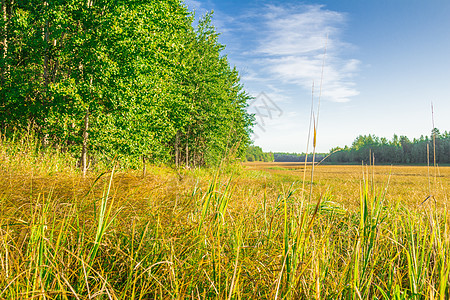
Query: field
[
  {"x": 405, "y": 184},
  {"x": 252, "y": 230}
]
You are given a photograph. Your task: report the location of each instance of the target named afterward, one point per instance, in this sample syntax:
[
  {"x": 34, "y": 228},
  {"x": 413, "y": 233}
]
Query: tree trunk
[
  {"x": 144, "y": 167},
  {"x": 177, "y": 137},
  {"x": 54, "y": 71},
  {"x": 85, "y": 142},
  {"x": 5, "y": 29},
  {"x": 187, "y": 150},
  {"x": 5, "y": 39},
  {"x": 46, "y": 46}
]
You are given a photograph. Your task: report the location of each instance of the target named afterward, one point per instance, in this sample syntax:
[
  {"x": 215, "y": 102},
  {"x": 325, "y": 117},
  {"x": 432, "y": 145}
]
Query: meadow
[{"x": 241, "y": 231}]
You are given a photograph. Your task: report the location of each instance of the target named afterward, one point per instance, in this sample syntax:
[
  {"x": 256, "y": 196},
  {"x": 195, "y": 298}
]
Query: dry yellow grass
[
  {"x": 245, "y": 233},
  {"x": 410, "y": 185}
]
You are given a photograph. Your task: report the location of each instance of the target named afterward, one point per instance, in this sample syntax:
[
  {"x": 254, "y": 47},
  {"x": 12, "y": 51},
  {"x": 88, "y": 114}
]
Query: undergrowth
[{"x": 201, "y": 234}]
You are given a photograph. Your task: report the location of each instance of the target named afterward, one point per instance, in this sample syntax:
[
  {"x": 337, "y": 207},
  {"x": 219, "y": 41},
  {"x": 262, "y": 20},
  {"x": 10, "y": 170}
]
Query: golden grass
[
  {"x": 237, "y": 233},
  {"x": 409, "y": 185}
]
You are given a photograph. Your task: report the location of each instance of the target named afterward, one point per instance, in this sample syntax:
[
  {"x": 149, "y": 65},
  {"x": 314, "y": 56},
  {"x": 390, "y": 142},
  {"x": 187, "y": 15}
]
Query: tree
[
  {"x": 127, "y": 78},
  {"x": 398, "y": 150}
]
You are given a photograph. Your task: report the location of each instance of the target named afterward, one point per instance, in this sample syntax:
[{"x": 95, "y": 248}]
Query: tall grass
[{"x": 118, "y": 235}]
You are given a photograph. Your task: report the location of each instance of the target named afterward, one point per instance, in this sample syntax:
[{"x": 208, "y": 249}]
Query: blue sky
[{"x": 386, "y": 61}]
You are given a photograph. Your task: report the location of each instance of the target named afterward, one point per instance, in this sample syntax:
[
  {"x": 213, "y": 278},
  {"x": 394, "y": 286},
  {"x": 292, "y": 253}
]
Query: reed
[{"x": 217, "y": 234}]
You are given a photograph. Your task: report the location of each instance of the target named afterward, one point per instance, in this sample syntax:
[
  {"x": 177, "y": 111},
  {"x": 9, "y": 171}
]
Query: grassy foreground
[{"x": 235, "y": 233}]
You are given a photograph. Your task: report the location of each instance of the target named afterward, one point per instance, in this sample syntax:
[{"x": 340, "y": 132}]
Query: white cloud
[
  {"x": 292, "y": 45},
  {"x": 287, "y": 43},
  {"x": 193, "y": 4},
  {"x": 197, "y": 7},
  {"x": 279, "y": 50}
]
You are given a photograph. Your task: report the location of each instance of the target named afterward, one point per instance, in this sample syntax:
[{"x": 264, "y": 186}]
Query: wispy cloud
[
  {"x": 291, "y": 47},
  {"x": 193, "y": 4},
  {"x": 286, "y": 43},
  {"x": 197, "y": 7},
  {"x": 279, "y": 50}
]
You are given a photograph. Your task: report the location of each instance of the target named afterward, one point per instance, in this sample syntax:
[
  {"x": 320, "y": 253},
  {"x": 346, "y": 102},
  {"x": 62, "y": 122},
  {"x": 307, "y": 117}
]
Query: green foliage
[
  {"x": 400, "y": 150},
  {"x": 255, "y": 153},
  {"x": 151, "y": 84},
  {"x": 297, "y": 157},
  {"x": 214, "y": 235}
]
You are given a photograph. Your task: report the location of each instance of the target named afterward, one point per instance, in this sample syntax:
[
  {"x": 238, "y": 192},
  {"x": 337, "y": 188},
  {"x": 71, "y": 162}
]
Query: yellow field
[
  {"x": 251, "y": 231},
  {"x": 408, "y": 184}
]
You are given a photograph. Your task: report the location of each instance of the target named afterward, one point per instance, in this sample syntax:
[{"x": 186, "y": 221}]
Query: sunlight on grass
[{"x": 227, "y": 234}]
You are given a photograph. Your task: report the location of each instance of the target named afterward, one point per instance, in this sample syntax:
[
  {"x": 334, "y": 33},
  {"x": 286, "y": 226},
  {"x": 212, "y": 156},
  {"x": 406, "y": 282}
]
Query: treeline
[
  {"x": 399, "y": 150},
  {"x": 132, "y": 79},
  {"x": 255, "y": 153},
  {"x": 297, "y": 157}
]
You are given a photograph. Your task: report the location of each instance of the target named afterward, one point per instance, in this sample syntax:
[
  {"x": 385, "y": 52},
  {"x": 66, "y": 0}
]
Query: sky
[{"x": 362, "y": 67}]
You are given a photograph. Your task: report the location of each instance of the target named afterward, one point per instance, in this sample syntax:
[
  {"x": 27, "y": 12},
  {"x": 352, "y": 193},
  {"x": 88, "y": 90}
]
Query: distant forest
[
  {"x": 130, "y": 79},
  {"x": 296, "y": 157},
  {"x": 399, "y": 150},
  {"x": 366, "y": 148},
  {"x": 255, "y": 153}
]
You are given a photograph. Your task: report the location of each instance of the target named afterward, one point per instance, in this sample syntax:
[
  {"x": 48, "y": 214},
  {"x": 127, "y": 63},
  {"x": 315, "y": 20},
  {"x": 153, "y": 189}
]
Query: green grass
[
  {"x": 277, "y": 168},
  {"x": 225, "y": 234}
]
